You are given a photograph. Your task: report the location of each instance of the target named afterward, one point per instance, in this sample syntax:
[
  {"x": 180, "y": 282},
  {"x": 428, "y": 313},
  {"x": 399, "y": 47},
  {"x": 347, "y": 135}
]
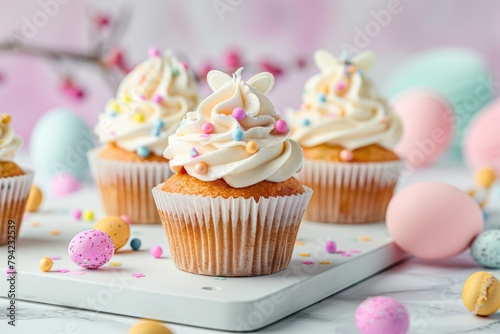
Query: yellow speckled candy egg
[
  {"x": 149, "y": 327},
  {"x": 35, "y": 198},
  {"x": 117, "y": 228}
]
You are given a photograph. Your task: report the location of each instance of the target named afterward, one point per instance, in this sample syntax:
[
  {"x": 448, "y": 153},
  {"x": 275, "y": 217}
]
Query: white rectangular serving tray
[{"x": 168, "y": 294}]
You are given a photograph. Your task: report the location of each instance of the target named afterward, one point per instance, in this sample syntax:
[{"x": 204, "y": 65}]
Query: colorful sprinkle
[
  {"x": 126, "y": 98},
  {"x": 341, "y": 86},
  {"x": 299, "y": 243},
  {"x": 346, "y": 155},
  {"x": 324, "y": 262},
  {"x": 175, "y": 71},
  {"x": 252, "y": 147},
  {"x": 88, "y": 215},
  {"x": 194, "y": 153},
  {"x": 304, "y": 254},
  {"x": 55, "y": 232},
  {"x": 115, "y": 264},
  {"x": 201, "y": 168},
  {"x": 153, "y": 52},
  {"x": 184, "y": 65},
  {"x": 345, "y": 255},
  {"x": 306, "y": 122},
  {"x": 238, "y": 134},
  {"x": 239, "y": 113},
  {"x": 143, "y": 152},
  {"x": 331, "y": 246},
  {"x": 305, "y": 106},
  {"x": 355, "y": 251},
  {"x": 63, "y": 271},
  {"x": 135, "y": 244},
  {"x": 6, "y": 119},
  {"x": 138, "y": 275},
  {"x": 139, "y": 117},
  {"x": 35, "y": 224},
  {"x": 321, "y": 98},
  {"x": 155, "y": 132},
  {"x": 156, "y": 251},
  {"x": 219, "y": 278},
  {"x": 307, "y": 262},
  {"x": 113, "y": 113},
  {"x": 281, "y": 126},
  {"x": 159, "y": 124},
  {"x": 157, "y": 98},
  {"x": 364, "y": 238},
  {"x": 115, "y": 107},
  {"x": 55, "y": 258},
  {"x": 207, "y": 128}
]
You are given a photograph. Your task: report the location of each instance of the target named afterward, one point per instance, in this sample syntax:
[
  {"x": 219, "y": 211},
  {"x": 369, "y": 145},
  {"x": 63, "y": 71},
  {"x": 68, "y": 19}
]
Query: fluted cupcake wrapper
[
  {"x": 233, "y": 236},
  {"x": 14, "y": 193},
  {"x": 125, "y": 187},
  {"x": 348, "y": 193}
]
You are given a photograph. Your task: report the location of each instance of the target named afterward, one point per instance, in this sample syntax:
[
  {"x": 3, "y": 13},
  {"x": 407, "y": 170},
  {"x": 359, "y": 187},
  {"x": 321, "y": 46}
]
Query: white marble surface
[{"x": 431, "y": 291}]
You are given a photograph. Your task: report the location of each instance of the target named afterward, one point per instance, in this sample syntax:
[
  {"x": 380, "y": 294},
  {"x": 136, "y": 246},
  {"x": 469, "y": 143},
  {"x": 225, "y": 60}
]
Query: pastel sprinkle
[
  {"x": 340, "y": 86},
  {"x": 321, "y": 98},
  {"x": 55, "y": 232},
  {"x": 201, "y": 168},
  {"x": 126, "y": 98},
  {"x": 62, "y": 271},
  {"x": 194, "y": 153},
  {"x": 252, "y": 147},
  {"x": 175, "y": 71},
  {"x": 355, "y": 251},
  {"x": 299, "y": 243},
  {"x": 153, "y": 52},
  {"x": 157, "y": 98},
  {"x": 207, "y": 128},
  {"x": 35, "y": 224},
  {"x": 139, "y": 117},
  {"x": 238, "y": 134},
  {"x": 155, "y": 132},
  {"x": 159, "y": 124},
  {"x": 331, "y": 246},
  {"x": 219, "y": 278},
  {"x": 113, "y": 113},
  {"x": 308, "y": 262},
  {"x": 143, "y": 152},
  {"x": 156, "y": 251},
  {"x": 239, "y": 113},
  {"x": 115, "y": 264},
  {"x": 115, "y": 106},
  {"x": 138, "y": 275},
  {"x": 304, "y": 254},
  {"x": 184, "y": 65},
  {"x": 281, "y": 126},
  {"x": 55, "y": 258},
  {"x": 306, "y": 122},
  {"x": 364, "y": 238},
  {"x": 324, "y": 262},
  {"x": 346, "y": 155},
  {"x": 345, "y": 255}
]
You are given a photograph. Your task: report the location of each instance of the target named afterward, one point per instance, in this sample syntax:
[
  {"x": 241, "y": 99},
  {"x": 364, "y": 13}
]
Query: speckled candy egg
[
  {"x": 91, "y": 249},
  {"x": 486, "y": 249},
  {"x": 149, "y": 327},
  {"x": 117, "y": 228},
  {"x": 382, "y": 315}
]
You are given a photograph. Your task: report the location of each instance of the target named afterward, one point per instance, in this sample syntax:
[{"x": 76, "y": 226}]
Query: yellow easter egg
[
  {"x": 117, "y": 228},
  {"x": 45, "y": 264},
  {"x": 149, "y": 327},
  {"x": 35, "y": 198}
]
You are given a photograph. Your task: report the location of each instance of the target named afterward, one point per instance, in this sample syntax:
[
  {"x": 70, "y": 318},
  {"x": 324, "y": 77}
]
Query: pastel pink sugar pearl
[
  {"x": 346, "y": 155},
  {"x": 239, "y": 113},
  {"x": 382, "y": 315},
  {"x": 91, "y": 249},
  {"x": 207, "y": 128},
  {"x": 156, "y": 251},
  {"x": 153, "y": 52},
  {"x": 331, "y": 246},
  {"x": 77, "y": 214},
  {"x": 281, "y": 126}
]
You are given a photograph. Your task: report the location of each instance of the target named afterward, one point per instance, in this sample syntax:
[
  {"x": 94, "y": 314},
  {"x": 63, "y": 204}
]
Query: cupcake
[
  {"x": 347, "y": 132},
  {"x": 233, "y": 207},
  {"x": 150, "y": 104},
  {"x": 15, "y": 183}
]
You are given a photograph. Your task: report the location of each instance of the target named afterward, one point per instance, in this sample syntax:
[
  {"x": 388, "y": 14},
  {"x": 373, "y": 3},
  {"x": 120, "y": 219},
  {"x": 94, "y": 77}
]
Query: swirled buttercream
[{"x": 10, "y": 143}]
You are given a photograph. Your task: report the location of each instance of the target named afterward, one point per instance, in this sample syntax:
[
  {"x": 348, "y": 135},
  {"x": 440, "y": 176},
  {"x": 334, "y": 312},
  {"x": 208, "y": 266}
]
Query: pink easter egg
[
  {"x": 481, "y": 146},
  {"x": 382, "y": 315},
  {"x": 91, "y": 249},
  {"x": 64, "y": 184},
  {"x": 427, "y": 127},
  {"x": 433, "y": 220}
]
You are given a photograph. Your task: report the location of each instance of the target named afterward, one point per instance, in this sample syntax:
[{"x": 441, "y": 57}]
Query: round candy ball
[
  {"x": 45, "y": 264},
  {"x": 433, "y": 220},
  {"x": 34, "y": 200},
  {"x": 149, "y": 327},
  {"x": 64, "y": 184},
  {"x": 156, "y": 252},
  {"x": 382, "y": 315},
  {"x": 486, "y": 249},
  {"x": 91, "y": 249},
  {"x": 482, "y": 139},
  {"x": 428, "y": 122},
  {"x": 135, "y": 244},
  {"x": 117, "y": 228},
  {"x": 481, "y": 293}
]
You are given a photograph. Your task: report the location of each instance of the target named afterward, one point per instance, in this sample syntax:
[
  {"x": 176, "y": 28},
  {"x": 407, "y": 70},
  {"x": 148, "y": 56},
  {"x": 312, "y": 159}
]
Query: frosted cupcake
[
  {"x": 150, "y": 104},
  {"x": 347, "y": 132},
  {"x": 15, "y": 183},
  {"x": 233, "y": 208}
]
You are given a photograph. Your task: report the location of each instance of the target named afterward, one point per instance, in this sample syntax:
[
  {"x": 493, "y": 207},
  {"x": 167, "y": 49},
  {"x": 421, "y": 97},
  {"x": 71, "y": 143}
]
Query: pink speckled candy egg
[
  {"x": 91, "y": 249},
  {"x": 427, "y": 122},
  {"x": 433, "y": 220},
  {"x": 482, "y": 139},
  {"x": 381, "y": 314}
]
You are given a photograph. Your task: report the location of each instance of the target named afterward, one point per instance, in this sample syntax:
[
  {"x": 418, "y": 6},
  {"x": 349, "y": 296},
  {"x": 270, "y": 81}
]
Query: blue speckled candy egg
[{"x": 486, "y": 249}]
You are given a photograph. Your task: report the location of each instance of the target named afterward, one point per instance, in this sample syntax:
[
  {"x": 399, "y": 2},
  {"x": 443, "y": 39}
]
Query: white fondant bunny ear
[
  {"x": 263, "y": 82},
  {"x": 364, "y": 60},
  {"x": 217, "y": 79},
  {"x": 325, "y": 60}
]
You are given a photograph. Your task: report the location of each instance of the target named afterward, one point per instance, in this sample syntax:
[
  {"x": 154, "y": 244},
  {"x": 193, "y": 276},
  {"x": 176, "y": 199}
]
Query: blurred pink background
[{"x": 201, "y": 31}]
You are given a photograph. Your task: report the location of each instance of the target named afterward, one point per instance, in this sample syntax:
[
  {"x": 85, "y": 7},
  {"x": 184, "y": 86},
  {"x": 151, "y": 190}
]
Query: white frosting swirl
[
  {"x": 157, "y": 92},
  {"x": 277, "y": 158},
  {"x": 10, "y": 143},
  {"x": 341, "y": 107}
]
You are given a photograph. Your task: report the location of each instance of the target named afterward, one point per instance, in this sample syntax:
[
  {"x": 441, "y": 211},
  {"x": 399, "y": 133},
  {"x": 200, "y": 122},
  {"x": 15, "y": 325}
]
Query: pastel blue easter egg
[
  {"x": 59, "y": 144},
  {"x": 486, "y": 249},
  {"x": 460, "y": 75}
]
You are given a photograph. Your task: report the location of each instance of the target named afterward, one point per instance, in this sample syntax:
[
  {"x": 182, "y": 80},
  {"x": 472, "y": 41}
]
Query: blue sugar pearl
[
  {"x": 238, "y": 134},
  {"x": 143, "y": 152},
  {"x": 159, "y": 124},
  {"x": 135, "y": 244},
  {"x": 156, "y": 132},
  {"x": 113, "y": 114},
  {"x": 321, "y": 98},
  {"x": 306, "y": 122}
]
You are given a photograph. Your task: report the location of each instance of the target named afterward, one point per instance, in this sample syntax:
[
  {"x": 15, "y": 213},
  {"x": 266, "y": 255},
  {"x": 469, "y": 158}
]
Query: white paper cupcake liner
[
  {"x": 349, "y": 192},
  {"x": 233, "y": 236},
  {"x": 125, "y": 187},
  {"x": 14, "y": 193}
]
